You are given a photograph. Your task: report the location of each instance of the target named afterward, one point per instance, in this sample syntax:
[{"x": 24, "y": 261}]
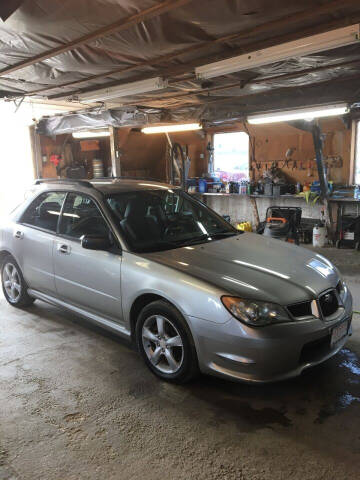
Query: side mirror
[{"x": 96, "y": 242}]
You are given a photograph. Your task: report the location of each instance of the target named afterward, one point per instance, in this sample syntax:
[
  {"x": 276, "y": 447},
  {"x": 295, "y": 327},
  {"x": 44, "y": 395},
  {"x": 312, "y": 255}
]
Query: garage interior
[{"x": 76, "y": 401}]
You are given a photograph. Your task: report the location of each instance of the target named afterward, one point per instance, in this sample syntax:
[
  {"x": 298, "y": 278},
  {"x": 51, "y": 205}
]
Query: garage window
[{"x": 231, "y": 155}]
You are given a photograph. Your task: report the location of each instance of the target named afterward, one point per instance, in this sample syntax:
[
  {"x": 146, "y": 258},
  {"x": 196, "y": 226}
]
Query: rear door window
[
  {"x": 81, "y": 216},
  {"x": 44, "y": 211}
]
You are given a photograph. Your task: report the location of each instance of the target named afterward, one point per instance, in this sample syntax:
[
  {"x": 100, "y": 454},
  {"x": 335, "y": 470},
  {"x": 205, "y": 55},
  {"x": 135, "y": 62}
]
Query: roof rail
[
  {"x": 64, "y": 181},
  {"x": 93, "y": 180}
]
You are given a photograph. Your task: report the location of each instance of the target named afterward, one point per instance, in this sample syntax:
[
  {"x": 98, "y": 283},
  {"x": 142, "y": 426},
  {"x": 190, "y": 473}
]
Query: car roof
[
  {"x": 104, "y": 185},
  {"x": 127, "y": 185}
]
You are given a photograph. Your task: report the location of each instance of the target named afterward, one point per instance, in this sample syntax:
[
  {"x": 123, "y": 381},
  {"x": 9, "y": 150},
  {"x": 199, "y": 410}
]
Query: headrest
[{"x": 136, "y": 208}]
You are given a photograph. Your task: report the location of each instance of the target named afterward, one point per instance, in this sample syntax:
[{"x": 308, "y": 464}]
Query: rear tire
[
  {"x": 14, "y": 285},
  {"x": 165, "y": 343}
]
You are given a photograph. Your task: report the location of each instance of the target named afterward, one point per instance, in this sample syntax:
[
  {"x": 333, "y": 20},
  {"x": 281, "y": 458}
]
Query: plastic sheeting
[
  {"x": 60, "y": 124},
  {"x": 39, "y": 25},
  {"x": 219, "y": 112}
]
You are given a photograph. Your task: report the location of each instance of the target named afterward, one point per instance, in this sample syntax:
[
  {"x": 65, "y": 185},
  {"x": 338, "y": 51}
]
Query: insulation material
[{"x": 190, "y": 35}]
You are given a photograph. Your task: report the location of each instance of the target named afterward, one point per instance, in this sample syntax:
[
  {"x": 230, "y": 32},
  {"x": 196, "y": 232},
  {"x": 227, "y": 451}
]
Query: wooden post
[
  {"x": 115, "y": 153},
  {"x": 36, "y": 152},
  {"x": 353, "y": 152},
  {"x": 255, "y": 211}
]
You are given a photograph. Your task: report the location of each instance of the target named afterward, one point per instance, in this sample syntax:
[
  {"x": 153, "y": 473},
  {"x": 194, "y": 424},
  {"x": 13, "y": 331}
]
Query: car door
[
  {"x": 89, "y": 279},
  {"x": 34, "y": 238}
]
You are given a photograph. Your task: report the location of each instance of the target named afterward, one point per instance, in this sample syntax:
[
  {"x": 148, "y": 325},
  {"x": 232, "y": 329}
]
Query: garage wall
[
  {"x": 272, "y": 142},
  {"x": 145, "y": 155},
  {"x": 149, "y": 152}
]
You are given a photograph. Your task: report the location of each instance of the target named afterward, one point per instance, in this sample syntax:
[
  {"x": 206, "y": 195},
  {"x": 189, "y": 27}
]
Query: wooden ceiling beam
[{"x": 121, "y": 25}]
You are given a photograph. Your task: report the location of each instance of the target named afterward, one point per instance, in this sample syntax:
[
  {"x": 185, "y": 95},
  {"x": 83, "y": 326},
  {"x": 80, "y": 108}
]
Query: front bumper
[{"x": 266, "y": 354}]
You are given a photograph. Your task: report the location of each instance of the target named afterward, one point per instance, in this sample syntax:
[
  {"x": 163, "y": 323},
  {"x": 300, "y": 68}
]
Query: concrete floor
[{"x": 78, "y": 403}]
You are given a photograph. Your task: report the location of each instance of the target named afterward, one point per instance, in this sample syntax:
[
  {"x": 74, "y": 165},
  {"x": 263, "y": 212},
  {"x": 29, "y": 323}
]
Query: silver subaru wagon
[{"x": 153, "y": 264}]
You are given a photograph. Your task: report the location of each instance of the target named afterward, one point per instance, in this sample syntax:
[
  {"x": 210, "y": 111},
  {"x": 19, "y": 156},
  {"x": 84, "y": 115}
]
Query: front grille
[
  {"x": 328, "y": 303},
  {"x": 302, "y": 309}
]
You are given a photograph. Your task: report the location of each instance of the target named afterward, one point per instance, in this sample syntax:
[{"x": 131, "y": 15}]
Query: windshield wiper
[
  {"x": 224, "y": 234},
  {"x": 160, "y": 245}
]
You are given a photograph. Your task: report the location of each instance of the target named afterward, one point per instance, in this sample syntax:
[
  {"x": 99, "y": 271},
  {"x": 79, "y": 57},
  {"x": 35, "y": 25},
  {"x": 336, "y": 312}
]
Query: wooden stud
[
  {"x": 35, "y": 151},
  {"x": 115, "y": 153},
  {"x": 353, "y": 151}
]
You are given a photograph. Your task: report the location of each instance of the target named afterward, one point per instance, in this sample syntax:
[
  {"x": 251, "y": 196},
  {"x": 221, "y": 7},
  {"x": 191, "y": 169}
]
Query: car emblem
[{"x": 327, "y": 298}]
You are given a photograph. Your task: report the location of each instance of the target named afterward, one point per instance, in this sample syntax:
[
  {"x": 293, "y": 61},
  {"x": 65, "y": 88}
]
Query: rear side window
[
  {"x": 44, "y": 211},
  {"x": 81, "y": 216}
]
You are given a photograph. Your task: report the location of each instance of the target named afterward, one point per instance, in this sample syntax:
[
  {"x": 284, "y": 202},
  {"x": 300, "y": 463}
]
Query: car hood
[{"x": 255, "y": 267}]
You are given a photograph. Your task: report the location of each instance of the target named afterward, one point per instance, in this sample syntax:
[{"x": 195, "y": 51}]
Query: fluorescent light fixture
[
  {"x": 91, "y": 134},
  {"x": 124, "y": 90},
  {"x": 172, "y": 128},
  {"x": 299, "y": 114},
  {"x": 297, "y": 48}
]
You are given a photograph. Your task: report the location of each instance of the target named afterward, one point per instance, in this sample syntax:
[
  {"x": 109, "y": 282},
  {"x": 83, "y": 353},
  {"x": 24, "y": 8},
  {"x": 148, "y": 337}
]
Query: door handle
[
  {"x": 18, "y": 234},
  {"x": 62, "y": 248}
]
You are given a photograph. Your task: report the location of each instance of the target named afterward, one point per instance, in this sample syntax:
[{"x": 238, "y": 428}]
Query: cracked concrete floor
[{"x": 78, "y": 403}]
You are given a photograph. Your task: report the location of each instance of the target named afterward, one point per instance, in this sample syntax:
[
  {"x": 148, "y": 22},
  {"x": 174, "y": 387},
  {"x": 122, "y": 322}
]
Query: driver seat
[{"x": 137, "y": 224}]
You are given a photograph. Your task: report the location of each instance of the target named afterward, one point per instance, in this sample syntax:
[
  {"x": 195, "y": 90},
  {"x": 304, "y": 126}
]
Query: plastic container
[
  {"x": 202, "y": 185},
  {"x": 319, "y": 236},
  {"x": 244, "y": 226},
  {"x": 98, "y": 168},
  {"x": 357, "y": 192}
]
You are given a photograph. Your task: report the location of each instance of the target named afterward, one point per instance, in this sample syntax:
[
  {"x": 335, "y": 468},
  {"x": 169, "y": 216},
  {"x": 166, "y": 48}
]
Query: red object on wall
[{"x": 55, "y": 159}]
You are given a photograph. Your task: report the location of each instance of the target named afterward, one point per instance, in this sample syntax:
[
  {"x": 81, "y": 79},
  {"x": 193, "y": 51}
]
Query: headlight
[{"x": 255, "y": 313}]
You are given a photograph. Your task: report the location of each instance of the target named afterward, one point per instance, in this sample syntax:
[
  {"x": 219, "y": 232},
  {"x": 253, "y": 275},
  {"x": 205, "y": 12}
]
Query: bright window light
[
  {"x": 231, "y": 155},
  {"x": 91, "y": 134},
  {"x": 299, "y": 114},
  {"x": 172, "y": 128}
]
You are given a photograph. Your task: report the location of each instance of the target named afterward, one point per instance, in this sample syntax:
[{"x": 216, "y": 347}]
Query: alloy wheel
[
  {"x": 12, "y": 282},
  {"x": 163, "y": 344}
]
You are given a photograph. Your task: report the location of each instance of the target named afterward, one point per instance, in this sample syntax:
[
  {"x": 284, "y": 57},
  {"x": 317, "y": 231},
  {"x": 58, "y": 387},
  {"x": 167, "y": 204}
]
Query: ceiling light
[
  {"x": 299, "y": 114},
  {"x": 124, "y": 90},
  {"x": 172, "y": 128},
  {"x": 91, "y": 134},
  {"x": 297, "y": 48}
]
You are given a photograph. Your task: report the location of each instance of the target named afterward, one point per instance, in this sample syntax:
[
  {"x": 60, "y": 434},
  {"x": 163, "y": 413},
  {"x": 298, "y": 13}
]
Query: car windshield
[{"x": 153, "y": 220}]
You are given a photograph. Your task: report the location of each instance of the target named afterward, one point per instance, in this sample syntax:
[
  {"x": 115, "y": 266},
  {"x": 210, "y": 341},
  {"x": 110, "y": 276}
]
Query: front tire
[
  {"x": 165, "y": 343},
  {"x": 14, "y": 285}
]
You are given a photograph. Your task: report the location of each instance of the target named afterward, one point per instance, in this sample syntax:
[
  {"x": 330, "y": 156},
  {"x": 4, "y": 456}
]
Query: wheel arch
[
  {"x": 3, "y": 255},
  {"x": 139, "y": 303},
  {"x": 145, "y": 298}
]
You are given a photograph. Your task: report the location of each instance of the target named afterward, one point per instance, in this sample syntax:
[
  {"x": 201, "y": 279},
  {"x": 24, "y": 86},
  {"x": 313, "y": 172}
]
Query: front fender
[{"x": 191, "y": 296}]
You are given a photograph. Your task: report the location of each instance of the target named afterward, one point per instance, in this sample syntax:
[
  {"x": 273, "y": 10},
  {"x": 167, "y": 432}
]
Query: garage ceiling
[{"x": 62, "y": 48}]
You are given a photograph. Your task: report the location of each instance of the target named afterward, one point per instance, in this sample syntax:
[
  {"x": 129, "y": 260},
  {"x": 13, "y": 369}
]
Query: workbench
[{"x": 253, "y": 207}]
